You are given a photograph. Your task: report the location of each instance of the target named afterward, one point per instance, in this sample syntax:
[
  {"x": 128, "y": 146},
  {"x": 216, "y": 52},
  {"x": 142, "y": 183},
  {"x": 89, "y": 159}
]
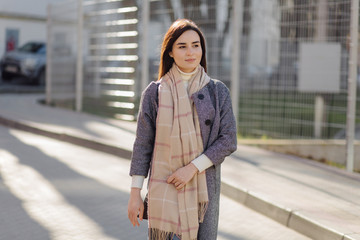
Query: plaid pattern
[{"x": 178, "y": 141}]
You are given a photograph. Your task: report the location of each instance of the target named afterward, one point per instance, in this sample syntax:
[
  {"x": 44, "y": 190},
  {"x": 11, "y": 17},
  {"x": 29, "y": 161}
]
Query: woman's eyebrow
[{"x": 182, "y": 43}]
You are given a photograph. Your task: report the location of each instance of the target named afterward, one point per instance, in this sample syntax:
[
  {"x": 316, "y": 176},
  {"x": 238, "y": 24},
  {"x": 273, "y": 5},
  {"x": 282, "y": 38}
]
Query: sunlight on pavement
[
  {"x": 104, "y": 168},
  {"x": 65, "y": 222},
  {"x": 45, "y": 204},
  {"x": 104, "y": 131}
]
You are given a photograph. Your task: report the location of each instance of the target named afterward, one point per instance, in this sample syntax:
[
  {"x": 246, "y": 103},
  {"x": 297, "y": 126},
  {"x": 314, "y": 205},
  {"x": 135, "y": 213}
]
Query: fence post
[
  {"x": 319, "y": 115},
  {"x": 49, "y": 48},
  {"x": 79, "y": 60},
  {"x": 237, "y": 13},
  {"x": 145, "y": 14},
  {"x": 352, "y": 80},
  {"x": 320, "y": 36}
]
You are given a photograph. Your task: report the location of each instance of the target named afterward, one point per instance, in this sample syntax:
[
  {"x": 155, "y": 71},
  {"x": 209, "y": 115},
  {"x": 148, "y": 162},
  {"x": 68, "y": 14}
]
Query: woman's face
[{"x": 186, "y": 51}]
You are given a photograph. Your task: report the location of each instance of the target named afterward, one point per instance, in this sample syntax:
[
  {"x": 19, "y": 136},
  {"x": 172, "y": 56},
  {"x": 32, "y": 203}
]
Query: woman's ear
[{"x": 170, "y": 54}]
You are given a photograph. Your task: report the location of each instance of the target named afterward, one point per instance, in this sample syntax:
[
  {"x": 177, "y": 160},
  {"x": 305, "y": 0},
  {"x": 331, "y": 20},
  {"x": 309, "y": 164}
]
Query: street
[
  {"x": 54, "y": 190},
  {"x": 19, "y": 85}
]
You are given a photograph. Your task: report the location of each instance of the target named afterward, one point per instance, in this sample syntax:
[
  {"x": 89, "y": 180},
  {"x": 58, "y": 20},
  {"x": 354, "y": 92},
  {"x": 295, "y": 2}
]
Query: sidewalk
[{"x": 316, "y": 200}]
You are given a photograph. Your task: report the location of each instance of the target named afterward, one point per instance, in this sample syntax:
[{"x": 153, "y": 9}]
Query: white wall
[
  {"x": 28, "y": 7},
  {"x": 28, "y": 30},
  {"x": 28, "y": 17}
]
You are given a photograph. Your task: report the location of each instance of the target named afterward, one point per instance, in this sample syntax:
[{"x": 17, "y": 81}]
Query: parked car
[{"x": 28, "y": 62}]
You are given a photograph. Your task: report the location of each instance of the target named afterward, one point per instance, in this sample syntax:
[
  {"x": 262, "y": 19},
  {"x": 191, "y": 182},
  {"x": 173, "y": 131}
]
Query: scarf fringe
[
  {"x": 157, "y": 234},
  {"x": 202, "y": 210}
]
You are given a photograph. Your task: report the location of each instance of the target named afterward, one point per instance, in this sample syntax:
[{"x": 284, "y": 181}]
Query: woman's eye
[{"x": 196, "y": 45}]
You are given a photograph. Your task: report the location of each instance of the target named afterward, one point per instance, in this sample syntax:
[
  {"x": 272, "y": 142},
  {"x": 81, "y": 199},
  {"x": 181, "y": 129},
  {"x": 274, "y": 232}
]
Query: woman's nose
[{"x": 189, "y": 51}]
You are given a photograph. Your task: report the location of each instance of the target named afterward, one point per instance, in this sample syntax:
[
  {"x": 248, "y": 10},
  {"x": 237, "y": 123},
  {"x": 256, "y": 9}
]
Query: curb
[
  {"x": 285, "y": 216},
  {"x": 83, "y": 142},
  {"x": 288, "y": 217}
]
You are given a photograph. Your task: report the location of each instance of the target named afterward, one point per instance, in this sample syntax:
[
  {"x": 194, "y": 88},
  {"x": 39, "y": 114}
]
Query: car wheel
[
  {"x": 5, "y": 77},
  {"x": 41, "y": 79}
]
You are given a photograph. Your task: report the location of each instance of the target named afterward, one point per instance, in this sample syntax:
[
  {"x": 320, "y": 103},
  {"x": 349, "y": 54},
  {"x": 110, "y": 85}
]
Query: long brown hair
[{"x": 173, "y": 33}]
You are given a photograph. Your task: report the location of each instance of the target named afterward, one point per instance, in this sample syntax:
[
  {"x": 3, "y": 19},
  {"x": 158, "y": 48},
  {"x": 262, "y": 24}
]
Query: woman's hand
[
  {"x": 182, "y": 176},
  {"x": 135, "y": 207}
]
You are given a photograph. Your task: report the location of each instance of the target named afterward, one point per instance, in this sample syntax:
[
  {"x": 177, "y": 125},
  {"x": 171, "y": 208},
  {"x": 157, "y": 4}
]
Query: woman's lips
[{"x": 190, "y": 60}]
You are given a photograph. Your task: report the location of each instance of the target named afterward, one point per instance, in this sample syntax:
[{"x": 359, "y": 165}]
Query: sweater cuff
[
  {"x": 137, "y": 181},
  {"x": 202, "y": 162}
]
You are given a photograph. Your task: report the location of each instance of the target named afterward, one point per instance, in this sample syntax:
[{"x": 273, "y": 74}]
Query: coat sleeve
[
  {"x": 145, "y": 132},
  {"x": 226, "y": 141}
]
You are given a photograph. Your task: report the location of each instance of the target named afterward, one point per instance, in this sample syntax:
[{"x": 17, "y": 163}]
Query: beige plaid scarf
[{"x": 178, "y": 141}]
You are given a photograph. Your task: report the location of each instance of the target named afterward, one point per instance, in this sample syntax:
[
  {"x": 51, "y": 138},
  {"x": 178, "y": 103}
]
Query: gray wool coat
[{"x": 218, "y": 130}]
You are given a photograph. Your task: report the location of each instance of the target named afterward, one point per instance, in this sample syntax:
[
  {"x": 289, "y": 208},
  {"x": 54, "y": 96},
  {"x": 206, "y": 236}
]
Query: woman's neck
[{"x": 184, "y": 75}]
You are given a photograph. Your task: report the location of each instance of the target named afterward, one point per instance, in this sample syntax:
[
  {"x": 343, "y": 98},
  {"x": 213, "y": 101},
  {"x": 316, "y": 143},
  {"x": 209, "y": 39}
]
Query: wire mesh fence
[
  {"x": 293, "y": 62},
  {"x": 279, "y": 89}
]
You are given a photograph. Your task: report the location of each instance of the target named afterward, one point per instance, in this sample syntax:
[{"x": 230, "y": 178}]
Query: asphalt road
[
  {"x": 19, "y": 85},
  {"x": 54, "y": 190}
]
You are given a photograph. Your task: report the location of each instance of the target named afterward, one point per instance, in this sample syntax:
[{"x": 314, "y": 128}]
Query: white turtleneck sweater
[{"x": 202, "y": 162}]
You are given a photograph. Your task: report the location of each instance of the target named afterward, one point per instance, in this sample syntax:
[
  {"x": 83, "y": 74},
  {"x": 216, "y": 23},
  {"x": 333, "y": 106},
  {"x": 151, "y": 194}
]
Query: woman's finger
[
  {"x": 178, "y": 183},
  {"x": 135, "y": 221},
  {"x": 133, "y": 218},
  {"x": 141, "y": 214},
  {"x": 170, "y": 179},
  {"x": 180, "y": 186}
]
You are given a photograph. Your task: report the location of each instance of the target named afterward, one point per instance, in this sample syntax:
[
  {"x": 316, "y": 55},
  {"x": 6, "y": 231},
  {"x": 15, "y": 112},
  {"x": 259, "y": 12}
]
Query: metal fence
[
  {"x": 295, "y": 71},
  {"x": 102, "y": 37},
  {"x": 285, "y": 61}
]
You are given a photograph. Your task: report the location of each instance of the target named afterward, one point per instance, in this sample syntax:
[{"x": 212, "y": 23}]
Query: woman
[{"x": 185, "y": 129}]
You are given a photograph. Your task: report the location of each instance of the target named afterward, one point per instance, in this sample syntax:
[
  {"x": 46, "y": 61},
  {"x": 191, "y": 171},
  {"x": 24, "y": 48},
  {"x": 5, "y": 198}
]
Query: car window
[
  {"x": 42, "y": 50},
  {"x": 31, "y": 47}
]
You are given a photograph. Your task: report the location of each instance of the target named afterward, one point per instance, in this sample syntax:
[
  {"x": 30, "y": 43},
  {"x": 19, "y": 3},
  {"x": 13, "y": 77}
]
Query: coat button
[
  {"x": 201, "y": 96},
  {"x": 207, "y": 122}
]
